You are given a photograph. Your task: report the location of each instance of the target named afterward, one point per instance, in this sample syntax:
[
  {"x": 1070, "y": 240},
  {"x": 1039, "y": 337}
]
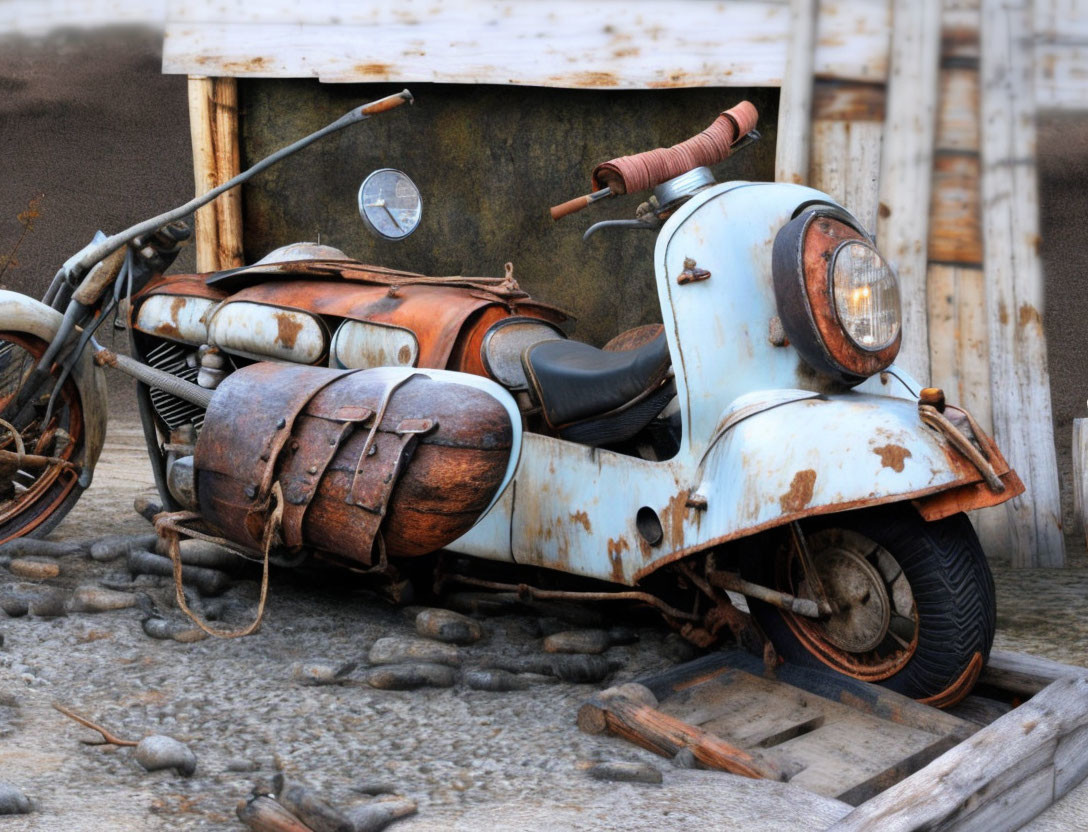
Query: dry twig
[{"x": 106, "y": 735}]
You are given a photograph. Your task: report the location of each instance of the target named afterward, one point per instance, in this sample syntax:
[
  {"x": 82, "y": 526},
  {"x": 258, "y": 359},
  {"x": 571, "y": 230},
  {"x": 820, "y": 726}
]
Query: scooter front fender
[
  {"x": 779, "y": 458},
  {"x": 20, "y": 313}
]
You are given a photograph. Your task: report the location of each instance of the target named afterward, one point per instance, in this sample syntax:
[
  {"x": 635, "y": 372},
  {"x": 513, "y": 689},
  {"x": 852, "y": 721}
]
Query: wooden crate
[{"x": 1018, "y": 743}]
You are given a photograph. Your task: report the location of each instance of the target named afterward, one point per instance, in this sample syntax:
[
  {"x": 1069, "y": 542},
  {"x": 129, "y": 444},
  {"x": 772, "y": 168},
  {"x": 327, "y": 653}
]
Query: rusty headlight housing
[{"x": 837, "y": 297}]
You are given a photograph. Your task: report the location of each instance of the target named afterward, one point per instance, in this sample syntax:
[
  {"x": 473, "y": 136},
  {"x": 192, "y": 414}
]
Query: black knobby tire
[{"x": 951, "y": 583}]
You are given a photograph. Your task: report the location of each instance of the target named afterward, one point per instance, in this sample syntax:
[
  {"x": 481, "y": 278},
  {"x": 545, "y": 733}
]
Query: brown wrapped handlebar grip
[
  {"x": 571, "y": 206},
  {"x": 387, "y": 103},
  {"x": 102, "y": 275}
]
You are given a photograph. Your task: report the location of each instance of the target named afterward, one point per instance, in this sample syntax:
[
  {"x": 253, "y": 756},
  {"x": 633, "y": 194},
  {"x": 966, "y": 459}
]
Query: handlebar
[{"x": 642, "y": 171}]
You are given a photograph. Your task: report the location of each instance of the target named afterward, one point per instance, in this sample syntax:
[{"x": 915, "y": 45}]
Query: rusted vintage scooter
[{"x": 760, "y": 442}]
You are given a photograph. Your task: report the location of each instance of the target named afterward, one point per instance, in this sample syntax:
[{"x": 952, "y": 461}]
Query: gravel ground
[{"x": 470, "y": 758}]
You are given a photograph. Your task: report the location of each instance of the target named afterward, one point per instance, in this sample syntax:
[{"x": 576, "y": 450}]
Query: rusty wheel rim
[
  {"x": 873, "y": 630},
  {"x": 33, "y": 494}
]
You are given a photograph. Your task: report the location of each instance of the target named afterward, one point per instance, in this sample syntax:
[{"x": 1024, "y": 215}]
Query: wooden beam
[
  {"x": 1080, "y": 475},
  {"x": 1020, "y": 382},
  {"x": 213, "y": 126},
  {"x": 795, "y": 101},
  {"x": 202, "y": 131},
  {"x": 998, "y": 779},
  {"x": 906, "y": 165},
  {"x": 1061, "y": 54},
  {"x": 1023, "y": 674},
  {"x": 610, "y": 44}
]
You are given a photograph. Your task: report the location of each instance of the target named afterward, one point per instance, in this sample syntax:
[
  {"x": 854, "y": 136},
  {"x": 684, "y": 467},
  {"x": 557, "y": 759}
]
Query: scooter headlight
[
  {"x": 837, "y": 298},
  {"x": 866, "y": 295}
]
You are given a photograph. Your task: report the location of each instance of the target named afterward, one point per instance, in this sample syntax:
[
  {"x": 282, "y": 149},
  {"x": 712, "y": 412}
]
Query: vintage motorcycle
[{"x": 759, "y": 447}]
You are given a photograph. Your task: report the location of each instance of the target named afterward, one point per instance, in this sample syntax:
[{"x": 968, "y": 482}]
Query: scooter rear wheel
[
  {"x": 35, "y": 498},
  {"x": 913, "y": 602}
]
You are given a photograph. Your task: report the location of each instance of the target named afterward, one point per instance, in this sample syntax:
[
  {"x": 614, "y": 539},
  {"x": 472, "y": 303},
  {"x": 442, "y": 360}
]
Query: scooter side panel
[{"x": 816, "y": 456}]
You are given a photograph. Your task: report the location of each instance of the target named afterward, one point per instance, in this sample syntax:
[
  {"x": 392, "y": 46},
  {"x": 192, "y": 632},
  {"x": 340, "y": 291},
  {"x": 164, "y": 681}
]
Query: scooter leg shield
[
  {"x": 20, "y": 313},
  {"x": 356, "y": 454}
]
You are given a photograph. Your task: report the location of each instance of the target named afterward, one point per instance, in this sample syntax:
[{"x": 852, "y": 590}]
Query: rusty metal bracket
[
  {"x": 811, "y": 575},
  {"x": 939, "y": 422}
]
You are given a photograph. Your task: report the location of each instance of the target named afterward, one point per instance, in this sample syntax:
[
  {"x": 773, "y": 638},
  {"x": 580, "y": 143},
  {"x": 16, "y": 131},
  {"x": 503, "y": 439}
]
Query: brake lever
[{"x": 650, "y": 224}]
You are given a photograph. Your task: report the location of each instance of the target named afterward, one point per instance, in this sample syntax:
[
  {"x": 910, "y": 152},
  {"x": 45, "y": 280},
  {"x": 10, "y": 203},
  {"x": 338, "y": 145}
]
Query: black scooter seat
[{"x": 574, "y": 381}]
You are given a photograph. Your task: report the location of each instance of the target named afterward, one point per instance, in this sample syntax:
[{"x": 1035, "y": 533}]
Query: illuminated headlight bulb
[{"x": 866, "y": 294}]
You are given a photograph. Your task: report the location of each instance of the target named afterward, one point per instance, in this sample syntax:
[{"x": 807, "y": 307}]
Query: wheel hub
[{"x": 859, "y": 598}]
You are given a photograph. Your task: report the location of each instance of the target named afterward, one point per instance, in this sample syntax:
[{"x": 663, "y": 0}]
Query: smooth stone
[
  {"x": 392, "y": 650},
  {"x": 242, "y": 764},
  {"x": 626, "y": 773},
  {"x": 34, "y": 568},
  {"x": 309, "y": 807},
  {"x": 13, "y": 801},
  {"x": 115, "y": 546},
  {"x": 147, "y": 506},
  {"x": 375, "y": 816},
  {"x": 685, "y": 758},
  {"x": 583, "y": 669},
  {"x": 321, "y": 672},
  {"x": 15, "y": 606},
  {"x": 677, "y": 649},
  {"x": 622, "y": 635},
  {"x": 496, "y": 681},
  {"x": 411, "y": 676},
  {"x": 158, "y": 751},
  {"x": 448, "y": 626},
  {"x": 577, "y": 641},
  {"x": 90, "y": 598},
  {"x": 631, "y": 691},
  {"x": 51, "y": 604},
  {"x": 22, "y": 547},
  {"x": 168, "y": 629},
  {"x": 374, "y": 786}
]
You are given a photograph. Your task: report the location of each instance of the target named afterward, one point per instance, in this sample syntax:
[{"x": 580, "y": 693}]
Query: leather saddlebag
[{"x": 355, "y": 453}]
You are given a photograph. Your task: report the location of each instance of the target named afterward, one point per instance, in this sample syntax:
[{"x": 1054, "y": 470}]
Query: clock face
[{"x": 389, "y": 204}]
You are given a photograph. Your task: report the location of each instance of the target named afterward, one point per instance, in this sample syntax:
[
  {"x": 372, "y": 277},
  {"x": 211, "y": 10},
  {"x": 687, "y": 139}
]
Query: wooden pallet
[{"x": 1016, "y": 745}]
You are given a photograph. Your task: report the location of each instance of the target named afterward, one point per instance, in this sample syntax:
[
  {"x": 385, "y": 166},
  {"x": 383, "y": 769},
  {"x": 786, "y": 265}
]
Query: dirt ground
[{"x": 470, "y": 758}]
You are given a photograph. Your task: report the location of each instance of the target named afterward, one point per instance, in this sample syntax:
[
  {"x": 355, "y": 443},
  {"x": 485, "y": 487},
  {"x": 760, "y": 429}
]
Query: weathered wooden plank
[
  {"x": 846, "y": 164},
  {"x": 1080, "y": 474},
  {"x": 941, "y": 298},
  {"x": 1061, "y": 54},
  {"x": 987, "y": 770},
  {"x": 795, "y": 101},
  {"x": 955, "y": 232},
  {"x": 1024, "y": 674},
  {"x": 619, "y": 44},
  {"x": 202, "y": 132},
  {"x": 906, "y": 163},
  {"x": 957, "y": 112},
  {"x": 848, "y": 101},
  {"x": 228, "y": 161},
  {"x": 972, "y": 345},
  {"x": 1018, "y": 365}
]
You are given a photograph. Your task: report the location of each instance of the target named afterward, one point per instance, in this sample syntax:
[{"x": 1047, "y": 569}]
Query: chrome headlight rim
[{"x": 865, "y": 243}]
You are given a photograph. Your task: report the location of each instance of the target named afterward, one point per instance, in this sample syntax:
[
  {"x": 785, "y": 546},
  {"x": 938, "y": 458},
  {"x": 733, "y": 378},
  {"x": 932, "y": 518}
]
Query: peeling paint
[
  {"x": 800, "y": 493},
  {"x": 582, "y": 518},
  {"x": 892, "y": 456}
]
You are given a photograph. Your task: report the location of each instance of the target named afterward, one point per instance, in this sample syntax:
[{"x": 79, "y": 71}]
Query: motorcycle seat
[{"x": 574, "y": 382}]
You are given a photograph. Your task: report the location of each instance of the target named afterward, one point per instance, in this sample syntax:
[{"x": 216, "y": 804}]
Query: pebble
[
  {"x": 158, "y": 751},
  {"x": 497, "y": 681},
  {"x": 34, "y": 568},
  {"x": 147, "y": 506},
  {"x": 374, "y": 786},
  {"x": 448, "y": 626},
  {"x": 577, "y": 641},
  {"x": 22, "y": 547},
  {"x": 321, "y": 672},
  {"x": 583, "y": 669},
  {"x": 309, "y": 807},
  {"x": 168, "y": 629},
  {"x": 685, "y": 758},
  {"x": 13, "y": 801},
  {"x": 631, "y": 691},
  {"x": 392, "y": 650},
  {"x": 411, "y": 676},
  {"x": 242, "y": 764},
  {"x": 49, "y": 604},
  {"x": 626, "y": 773},
  {"x": 373, "y": 817},
  {"x": 15, "y": 606},
  {"x": 677, "y": 649},
  {"x": 90, "y": 598},
  {"x": 622, "y": 635},
  {"x": 118, "y": 545}
]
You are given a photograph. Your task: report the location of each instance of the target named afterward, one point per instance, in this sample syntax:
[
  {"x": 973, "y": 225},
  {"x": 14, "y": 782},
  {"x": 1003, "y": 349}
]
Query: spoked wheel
[
  {"x": 912, "y": 603},
  {"x": 40, "y": 461}
]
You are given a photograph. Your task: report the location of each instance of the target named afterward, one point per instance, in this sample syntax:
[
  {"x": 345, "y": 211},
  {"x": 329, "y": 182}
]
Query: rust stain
[
  {"x": 168, "y": 330},
  {"x": 582, "y": 518},
  {"x": 1002, "y": 312},
  {"x": 627, "y": 52},
  {"x": 373, "y": 69},
  {"x": 287, "y": 329},
  {"x": 592, "y": 79},
  {"x": 404, "y": 355},
  {"x": 672, "y": 519},
  {"x": 892, "y": 456},
  {"x": 800, "y": 493},
  {"x": 883, "y": 210},
  {"x": 616, "y": 548},
  {"x": 176, "y": 305},
  {"x": 1029, "y": 315},
  {"x": 257, "y": 64}
]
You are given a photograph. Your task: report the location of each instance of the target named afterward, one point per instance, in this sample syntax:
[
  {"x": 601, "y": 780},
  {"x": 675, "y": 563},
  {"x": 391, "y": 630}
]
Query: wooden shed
[{"x": 918, "y": 114}]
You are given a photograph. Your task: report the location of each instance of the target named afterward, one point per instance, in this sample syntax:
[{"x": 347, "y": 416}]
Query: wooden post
[
  {"x": 906, "y": 167},
  {"x": 795, "y": 101},
  {"x": 1080, "y": 475},
  {"x": 1020, "y": 384},
  {"x": 213, "y": 126}
]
